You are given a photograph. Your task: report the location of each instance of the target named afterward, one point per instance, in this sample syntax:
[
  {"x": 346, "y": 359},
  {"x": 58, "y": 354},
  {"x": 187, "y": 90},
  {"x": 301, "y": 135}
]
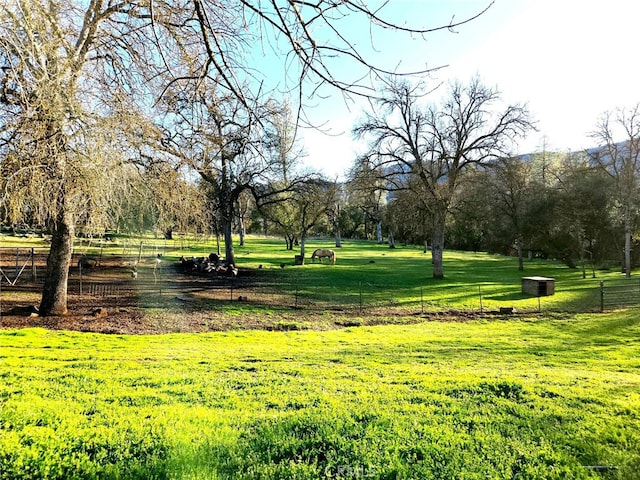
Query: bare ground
[{"x": 107, "y": 299}]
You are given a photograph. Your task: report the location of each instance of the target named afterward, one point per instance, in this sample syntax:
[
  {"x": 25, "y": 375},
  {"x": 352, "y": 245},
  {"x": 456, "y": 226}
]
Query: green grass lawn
[
  {"x": 501, "y": 399},
  {"x": 375, "y": 274}
]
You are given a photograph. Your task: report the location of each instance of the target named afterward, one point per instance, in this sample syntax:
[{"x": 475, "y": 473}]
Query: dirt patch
[
  {"x": 109, "y": 298},
  {"x": 120, "y": 296}
]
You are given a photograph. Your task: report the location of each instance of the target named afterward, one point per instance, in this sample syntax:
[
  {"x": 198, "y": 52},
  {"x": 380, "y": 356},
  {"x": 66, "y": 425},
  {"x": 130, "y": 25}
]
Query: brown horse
[{"x": 322, "y": 252}]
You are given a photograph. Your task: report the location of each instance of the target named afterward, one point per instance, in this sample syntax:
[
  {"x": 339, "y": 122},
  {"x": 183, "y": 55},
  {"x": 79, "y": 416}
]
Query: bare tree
[
  {"x": 368, "y": 191},
  {"x": 427, "y": 150},
  {"x": 618, "y": 135},
  {"x": 55, "y": 132},
  {"x": 334, "y": 211},
  {"x": 295, "y": 199},
  {"x": 297, "y": 210},
  {"x": 510, "y": 187},
  {"x": 217, "y": 137}
]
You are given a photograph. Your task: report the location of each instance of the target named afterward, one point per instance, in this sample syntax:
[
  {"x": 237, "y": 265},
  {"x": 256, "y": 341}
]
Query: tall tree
[
  {"x": 55, "y": 126},
  {"x": 368, "y": 191},
  {"x": 512, "y": 193},
  {"x": 584, "y": 197},
  {"x": 218, "y": 138},
  {"x": 427, "y": 150},
  {"x": 334, "y": 210},
  {"x": 618, "y": 135}
]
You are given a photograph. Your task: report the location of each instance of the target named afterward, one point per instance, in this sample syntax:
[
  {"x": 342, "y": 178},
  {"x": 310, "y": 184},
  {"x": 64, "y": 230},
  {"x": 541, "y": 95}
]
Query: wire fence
[
  {"x": 22, "y": 268},
  {"x": 206, "y": 292},
  {"x": 619, "y": 294}
]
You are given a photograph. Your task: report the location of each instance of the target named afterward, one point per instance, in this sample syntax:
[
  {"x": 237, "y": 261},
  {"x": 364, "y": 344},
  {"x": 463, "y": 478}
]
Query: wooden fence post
[{"x": 34, "y": 275}]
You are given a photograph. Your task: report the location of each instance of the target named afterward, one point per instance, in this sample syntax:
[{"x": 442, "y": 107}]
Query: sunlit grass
[{"x": 481, "y": 399}]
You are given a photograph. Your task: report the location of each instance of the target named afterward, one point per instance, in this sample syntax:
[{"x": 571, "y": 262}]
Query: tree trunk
[
  {"x": 627, "y": 248},
  {"x": 229, "y": 253},
  {"x": 241, "y": 229},
  {"x": 391, "y": 240},
  {"x": 54, "y": 292},
  {"x": 338, "y": 238},
  {"x": 520, "y": 257},
  {"x": 437, "y": 250},
  {"x": 289, "y": 239},
  {"x": 303, "y": 242},
  {"x": 379, "y": 232}
]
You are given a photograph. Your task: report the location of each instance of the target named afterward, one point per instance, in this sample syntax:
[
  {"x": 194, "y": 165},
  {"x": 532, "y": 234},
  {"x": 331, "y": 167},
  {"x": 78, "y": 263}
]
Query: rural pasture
[
  {"x": 394, "y": 395},
  {"x": 368, "y": 281}
]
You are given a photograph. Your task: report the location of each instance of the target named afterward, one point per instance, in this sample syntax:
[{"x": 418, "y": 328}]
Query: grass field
[
  {"x": 404, "y": 276},
  {"x": 501, "y": 399}
]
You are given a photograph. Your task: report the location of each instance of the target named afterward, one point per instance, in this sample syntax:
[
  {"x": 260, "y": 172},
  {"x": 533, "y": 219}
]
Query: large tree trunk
[
  {"x": 379, "y": 232},
  {"x": 391, "y": 240},
  {"x": 289, "y": 240},
  {"x": 338, "y": 238},
  {"x": 229, "y": 253},
  {"x": 54, "y": 292},
  {"x": 437, "y": 249},
  {"x": 520, "y": 256}
]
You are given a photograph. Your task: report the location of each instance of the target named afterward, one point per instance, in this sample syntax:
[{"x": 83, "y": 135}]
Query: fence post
[
  {"x": 539, "y": 303},
  {"x": 80, "y": 274},
  {"x": 34, "y": 276},
  {"x": 480, "y": 295},
  {"x": 601, "y": 296},
  {"x": 422, "y": 299}
]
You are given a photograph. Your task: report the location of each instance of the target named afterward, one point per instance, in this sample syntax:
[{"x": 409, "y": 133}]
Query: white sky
[{"x": 570, "y": 60}]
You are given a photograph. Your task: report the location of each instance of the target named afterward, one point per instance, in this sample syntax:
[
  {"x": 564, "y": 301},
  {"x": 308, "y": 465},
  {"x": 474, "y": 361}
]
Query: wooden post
[{"x": 33, "y": 265}]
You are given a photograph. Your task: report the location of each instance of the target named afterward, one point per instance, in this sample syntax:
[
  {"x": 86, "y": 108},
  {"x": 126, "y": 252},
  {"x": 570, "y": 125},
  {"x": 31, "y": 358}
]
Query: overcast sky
[{"x": 569, "y": 60}]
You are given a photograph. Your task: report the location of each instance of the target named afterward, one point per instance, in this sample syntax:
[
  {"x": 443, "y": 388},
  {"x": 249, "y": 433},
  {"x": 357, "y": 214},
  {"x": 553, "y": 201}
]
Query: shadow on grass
[{"x": 505, "y": 297}]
